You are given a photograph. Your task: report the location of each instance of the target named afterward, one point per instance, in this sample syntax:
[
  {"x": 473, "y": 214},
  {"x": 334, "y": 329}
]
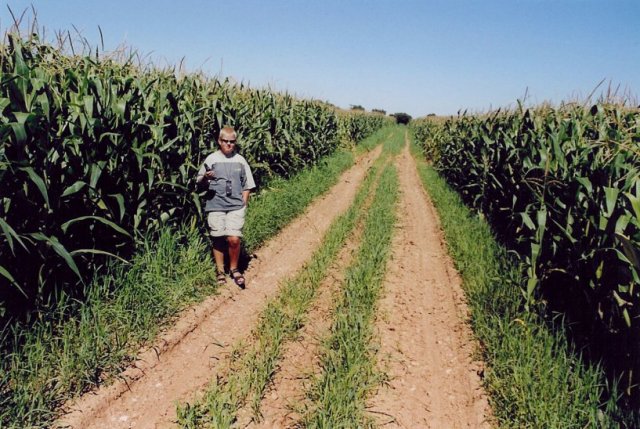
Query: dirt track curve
[{"x": 425, "y": 343}]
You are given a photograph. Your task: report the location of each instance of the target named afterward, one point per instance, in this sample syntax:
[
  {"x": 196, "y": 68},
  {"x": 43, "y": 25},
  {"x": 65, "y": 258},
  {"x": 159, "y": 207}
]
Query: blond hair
[{"x": 228, "y": 132}]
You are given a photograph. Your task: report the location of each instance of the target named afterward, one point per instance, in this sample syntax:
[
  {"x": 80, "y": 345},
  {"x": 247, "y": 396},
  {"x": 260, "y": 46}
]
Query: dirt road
[
  {"x": 426, "y": 346},
  {"x": 425, "y": 343}
]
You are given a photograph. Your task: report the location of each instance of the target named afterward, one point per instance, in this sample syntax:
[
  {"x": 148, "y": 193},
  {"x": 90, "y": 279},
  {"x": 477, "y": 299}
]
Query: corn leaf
[
  {"x": 59, "y": 249},
  {"x": 107, "y": 222},
  {"x": 37, "y": 180}
]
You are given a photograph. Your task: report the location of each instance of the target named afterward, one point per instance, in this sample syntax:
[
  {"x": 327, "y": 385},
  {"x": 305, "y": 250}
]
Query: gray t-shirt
[{"x": 233, "y": 176}]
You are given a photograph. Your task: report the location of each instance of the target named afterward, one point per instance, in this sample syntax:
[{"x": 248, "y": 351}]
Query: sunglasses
[{"x": 228, "y": 141}]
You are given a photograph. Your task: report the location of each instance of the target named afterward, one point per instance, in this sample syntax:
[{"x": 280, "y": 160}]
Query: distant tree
[
  {"x": 327, "y": 103},
  {"x": 382, "y": 112},
  {"x": 357, "y": 107},
  {"x": 431, "y": 114},
  {"x": 402, "y": 118}
]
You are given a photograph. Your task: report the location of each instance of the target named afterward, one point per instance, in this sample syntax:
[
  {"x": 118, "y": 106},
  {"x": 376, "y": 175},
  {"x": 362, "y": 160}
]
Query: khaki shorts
[{"x": 223, "y": 224}]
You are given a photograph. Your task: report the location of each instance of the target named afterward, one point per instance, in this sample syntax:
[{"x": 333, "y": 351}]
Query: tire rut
[{"x": 426, "y": 343}]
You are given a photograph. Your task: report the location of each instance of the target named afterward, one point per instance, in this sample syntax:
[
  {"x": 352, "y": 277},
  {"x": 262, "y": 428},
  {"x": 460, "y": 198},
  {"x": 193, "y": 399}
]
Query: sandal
[
  {"x": 222, "y": 279},
  {"x": 237, "y": 277}
]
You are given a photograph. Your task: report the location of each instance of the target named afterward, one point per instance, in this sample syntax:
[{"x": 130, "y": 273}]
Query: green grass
[
  {"x": 375, "y": 139},
  {"x": 348, "y": 360},
  {"x": 534, "y": 378},
  {"x": 70, "y": 346}
]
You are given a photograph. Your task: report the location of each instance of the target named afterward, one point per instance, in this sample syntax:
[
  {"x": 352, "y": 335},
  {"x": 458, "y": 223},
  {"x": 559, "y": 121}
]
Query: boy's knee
[{"x": 233, "y": 241}]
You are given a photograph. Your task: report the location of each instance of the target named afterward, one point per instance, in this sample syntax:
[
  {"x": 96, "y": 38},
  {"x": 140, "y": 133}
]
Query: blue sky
[{"x": 417, "y": 57}]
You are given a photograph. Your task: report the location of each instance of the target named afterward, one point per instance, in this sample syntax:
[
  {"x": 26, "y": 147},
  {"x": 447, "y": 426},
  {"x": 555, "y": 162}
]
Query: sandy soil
[
  {"x": 187, "y": 357},
  {"x": 426, "y": 345}
]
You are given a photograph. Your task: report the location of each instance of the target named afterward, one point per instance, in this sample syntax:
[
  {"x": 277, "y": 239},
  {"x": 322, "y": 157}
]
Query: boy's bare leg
[
  {"x": 219, "y": 245},
  {"x": 234, "y": 252}
]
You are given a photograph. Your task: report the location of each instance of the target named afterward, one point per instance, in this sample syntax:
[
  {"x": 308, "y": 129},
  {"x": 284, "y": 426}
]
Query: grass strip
[
  {"x": 534, "y": 378},
  {"x": 282, "y": 200},
  {"x": 70, "y": 346},
  {"x": 379, "y": 137},
  {"x": 252, "y": 370},
  {"x": 348, "y": 361}
]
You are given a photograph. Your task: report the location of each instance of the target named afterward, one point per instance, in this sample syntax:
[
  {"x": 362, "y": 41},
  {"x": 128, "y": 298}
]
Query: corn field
[
  {"x": 561, "y": 187},
  {"x": 96, "y": 153}
]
